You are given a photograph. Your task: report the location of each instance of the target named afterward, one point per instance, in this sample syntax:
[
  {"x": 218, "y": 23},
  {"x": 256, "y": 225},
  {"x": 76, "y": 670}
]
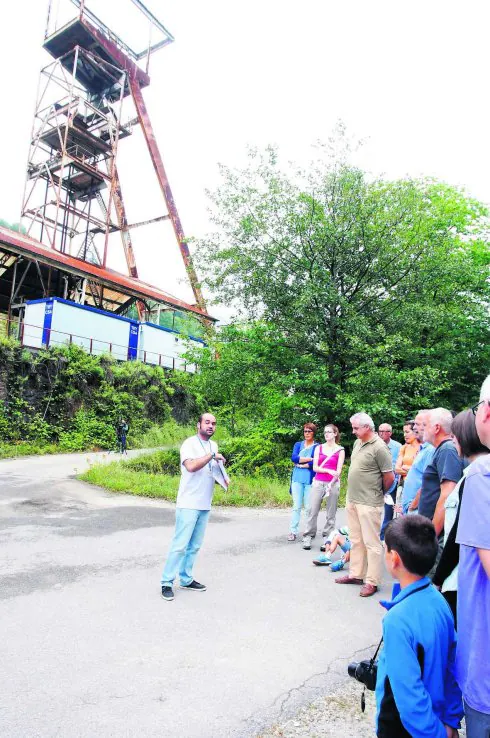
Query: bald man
[{"x": 201, "y": 468}]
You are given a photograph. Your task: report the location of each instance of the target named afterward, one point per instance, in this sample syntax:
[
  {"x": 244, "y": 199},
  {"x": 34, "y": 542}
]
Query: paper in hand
[{"x": 220, "y": 475}]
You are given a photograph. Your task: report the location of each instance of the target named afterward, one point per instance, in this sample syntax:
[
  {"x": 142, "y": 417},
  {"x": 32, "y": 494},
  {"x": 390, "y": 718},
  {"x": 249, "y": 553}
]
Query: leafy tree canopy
[{"x": 353, "y": 292}]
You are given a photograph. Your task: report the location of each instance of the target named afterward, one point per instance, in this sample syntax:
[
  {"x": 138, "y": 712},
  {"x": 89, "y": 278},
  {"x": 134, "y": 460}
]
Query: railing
[{"x": 42, "y": 337}]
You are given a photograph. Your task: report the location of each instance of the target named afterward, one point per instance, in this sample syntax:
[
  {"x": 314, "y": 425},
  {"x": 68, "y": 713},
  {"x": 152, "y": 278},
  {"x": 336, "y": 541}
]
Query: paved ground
[{"x": 88, "y": 647}]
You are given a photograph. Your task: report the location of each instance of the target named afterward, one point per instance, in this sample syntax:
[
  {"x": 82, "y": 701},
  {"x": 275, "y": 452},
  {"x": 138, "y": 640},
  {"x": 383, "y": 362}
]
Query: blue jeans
[
  {"x": 301, "y": 495},
  {"x": 477, "y": 723},
  {"x": 190, "y": 526},
  {"x": 389, "y": 511}
]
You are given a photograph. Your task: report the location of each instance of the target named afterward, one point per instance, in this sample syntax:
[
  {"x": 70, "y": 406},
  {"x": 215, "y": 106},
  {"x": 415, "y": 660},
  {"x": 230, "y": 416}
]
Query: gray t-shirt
[{"x": 445, "y": 466}]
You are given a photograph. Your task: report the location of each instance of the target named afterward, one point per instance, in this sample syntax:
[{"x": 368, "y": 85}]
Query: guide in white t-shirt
[{"x": 201, "y": 467}]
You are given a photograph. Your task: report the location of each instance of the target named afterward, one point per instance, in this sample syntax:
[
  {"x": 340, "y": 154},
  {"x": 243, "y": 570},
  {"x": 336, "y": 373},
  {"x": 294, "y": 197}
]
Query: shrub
[
  {"x": 257, "y": 455},
  {"x": 64, "y": 395},
  {"x": 158, "y": 462}
]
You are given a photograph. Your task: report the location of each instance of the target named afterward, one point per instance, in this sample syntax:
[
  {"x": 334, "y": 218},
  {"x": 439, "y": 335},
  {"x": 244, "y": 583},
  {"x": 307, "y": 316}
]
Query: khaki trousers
[{"x": 366, "y": 556}]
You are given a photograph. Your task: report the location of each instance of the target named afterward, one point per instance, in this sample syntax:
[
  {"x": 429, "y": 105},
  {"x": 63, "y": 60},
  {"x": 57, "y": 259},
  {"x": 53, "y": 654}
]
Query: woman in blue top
[{"x": 302, "y": 458}]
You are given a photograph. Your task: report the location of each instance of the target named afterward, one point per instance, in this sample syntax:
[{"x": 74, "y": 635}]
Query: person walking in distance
[
  {"x": 370, "y": 477},
  {"x": 201, "y": 466},
  {"x": 328, "y": 460},
  {"x": 122, "y": 429}
]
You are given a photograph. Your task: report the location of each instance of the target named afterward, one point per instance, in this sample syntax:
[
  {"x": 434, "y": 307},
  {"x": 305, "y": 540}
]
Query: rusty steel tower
[{"x": 73, "y": 200}]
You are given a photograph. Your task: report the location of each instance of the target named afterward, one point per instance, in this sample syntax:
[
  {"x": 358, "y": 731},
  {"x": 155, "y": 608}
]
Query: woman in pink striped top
[{"x": 328, "y": 461}]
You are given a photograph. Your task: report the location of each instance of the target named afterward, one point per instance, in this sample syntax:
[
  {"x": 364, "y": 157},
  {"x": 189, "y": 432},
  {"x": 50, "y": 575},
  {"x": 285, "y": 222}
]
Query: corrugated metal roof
[{"x": 24, "y": 245}]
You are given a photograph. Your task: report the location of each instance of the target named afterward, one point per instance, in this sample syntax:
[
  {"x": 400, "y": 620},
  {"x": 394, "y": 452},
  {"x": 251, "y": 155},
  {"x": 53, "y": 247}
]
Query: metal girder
[{"x": 157, "y": 162}]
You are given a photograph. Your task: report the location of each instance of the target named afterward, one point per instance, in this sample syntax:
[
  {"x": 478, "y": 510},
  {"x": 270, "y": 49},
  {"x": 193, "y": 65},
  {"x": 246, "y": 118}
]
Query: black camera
[{"x": 365, "y": 672}]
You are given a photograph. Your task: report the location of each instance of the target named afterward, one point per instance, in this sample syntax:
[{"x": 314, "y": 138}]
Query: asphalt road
[{"x": 89, "y": 648}]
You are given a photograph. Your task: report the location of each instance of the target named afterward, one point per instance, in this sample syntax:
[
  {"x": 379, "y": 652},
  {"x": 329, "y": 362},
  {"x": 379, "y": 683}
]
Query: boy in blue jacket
[{"x": 416, "y": 691}]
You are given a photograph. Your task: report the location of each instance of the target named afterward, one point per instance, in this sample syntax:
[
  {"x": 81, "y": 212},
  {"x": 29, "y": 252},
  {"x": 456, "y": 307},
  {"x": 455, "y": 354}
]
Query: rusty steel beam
[
  {"x": 123, "y": 225},
  {"x": 125, "y": 234},
  {"x": 158, "y": 219},
  {"x": 157, "y": 162}
]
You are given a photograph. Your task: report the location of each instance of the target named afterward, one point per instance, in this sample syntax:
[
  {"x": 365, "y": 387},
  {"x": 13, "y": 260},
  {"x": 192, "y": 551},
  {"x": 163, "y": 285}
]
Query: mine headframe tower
[{"x": 73, "y": 197}]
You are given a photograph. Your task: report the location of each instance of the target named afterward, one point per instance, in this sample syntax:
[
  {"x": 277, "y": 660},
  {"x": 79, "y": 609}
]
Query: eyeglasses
[
  {"x": 307, "y": 430},
  {"x": 474, "y": 409}
]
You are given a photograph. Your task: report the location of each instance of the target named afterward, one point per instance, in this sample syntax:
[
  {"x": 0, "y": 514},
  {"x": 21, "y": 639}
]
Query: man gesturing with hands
[{"x": 201, "y": 466}]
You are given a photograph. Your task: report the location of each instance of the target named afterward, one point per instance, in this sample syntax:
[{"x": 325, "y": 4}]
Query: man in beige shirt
[{"x": 370, "y": 476}]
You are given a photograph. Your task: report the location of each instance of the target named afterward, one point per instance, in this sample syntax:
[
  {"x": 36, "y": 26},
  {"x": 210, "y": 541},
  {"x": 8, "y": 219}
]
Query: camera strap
[{"x": 371, "y": 664}]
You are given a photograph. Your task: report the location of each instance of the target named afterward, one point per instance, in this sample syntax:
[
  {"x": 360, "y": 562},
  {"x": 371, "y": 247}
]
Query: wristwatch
[{"x": 213, "y": 455}]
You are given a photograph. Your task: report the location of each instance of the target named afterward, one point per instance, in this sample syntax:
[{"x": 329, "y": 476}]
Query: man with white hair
[
  {"x": 472, "y": 662},
  {"x": 413, "y": 480},
  {"x": 370, "y": 476},
  {"x": 444, "y": 470}
]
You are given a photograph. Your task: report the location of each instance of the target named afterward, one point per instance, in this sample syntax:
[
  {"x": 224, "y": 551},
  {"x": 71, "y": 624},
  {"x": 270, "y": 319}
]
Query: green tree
[{"x": 378, "y": 290}]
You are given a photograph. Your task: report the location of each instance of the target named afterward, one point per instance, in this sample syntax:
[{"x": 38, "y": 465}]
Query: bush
[
  {"x": 258, "y": 455},
  {"x": 244, "y": 491},
  {"x": 64, "y": 395},
  {"x": 158, "y": 462},
  {"x": 170, "y": 433}
]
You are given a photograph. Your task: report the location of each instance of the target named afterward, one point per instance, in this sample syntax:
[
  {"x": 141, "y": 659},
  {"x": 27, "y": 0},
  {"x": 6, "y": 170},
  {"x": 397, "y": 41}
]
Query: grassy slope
[{"x": 245, "y": 491}]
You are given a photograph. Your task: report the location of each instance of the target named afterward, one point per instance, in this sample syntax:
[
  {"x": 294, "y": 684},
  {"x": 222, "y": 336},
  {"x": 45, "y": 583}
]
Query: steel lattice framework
[{"x": 73, "y": 197}]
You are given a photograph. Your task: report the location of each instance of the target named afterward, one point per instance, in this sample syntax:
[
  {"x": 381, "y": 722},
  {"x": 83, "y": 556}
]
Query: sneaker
[
  {"x": 326, "y": 542},
  {"x": 292, "y": 537},
  {"x": 322, "y": 561},
  {"x": 306, "y": 543},
  {"x": 194, "y": 586},
  {"x": 337, "y": 565},
  {"x": 167, "y": 593}
]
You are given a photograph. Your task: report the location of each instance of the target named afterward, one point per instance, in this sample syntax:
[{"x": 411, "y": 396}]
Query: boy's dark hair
[
  {"x": 464, "y": 428},
  {"x": 414, "y": 538}
]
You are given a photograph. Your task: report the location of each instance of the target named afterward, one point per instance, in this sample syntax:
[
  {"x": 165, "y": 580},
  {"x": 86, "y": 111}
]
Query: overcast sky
[{"x": 411, "y": 76}]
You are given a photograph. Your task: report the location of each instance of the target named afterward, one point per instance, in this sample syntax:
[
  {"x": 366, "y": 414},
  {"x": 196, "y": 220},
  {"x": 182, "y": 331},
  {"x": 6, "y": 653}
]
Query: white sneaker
[{"x": 306, "y": 543}]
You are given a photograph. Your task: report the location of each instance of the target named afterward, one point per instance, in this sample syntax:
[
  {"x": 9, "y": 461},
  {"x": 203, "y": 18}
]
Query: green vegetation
[
  {"x": 65, "y": 400},
  {"x": 14, "y": 450},
  {"x": 13, "y": 226},
  {"x": 157, "y": 475},
  {"x": 354, "y": 293},
  {"x": 245, "y": 491}
]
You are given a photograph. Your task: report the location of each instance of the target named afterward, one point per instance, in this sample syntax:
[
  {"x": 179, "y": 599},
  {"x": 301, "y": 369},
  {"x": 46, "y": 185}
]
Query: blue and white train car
[
  {"x": 165, "y": 347},
  {"x": 54, "y": 322}
]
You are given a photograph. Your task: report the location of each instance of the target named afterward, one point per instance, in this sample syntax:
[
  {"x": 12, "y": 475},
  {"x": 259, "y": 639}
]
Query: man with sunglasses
[{"x": 473, "y": 535}]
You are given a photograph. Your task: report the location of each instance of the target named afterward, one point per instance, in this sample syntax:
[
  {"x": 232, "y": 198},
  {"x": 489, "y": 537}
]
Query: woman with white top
[{"x": 328, "y": 460}]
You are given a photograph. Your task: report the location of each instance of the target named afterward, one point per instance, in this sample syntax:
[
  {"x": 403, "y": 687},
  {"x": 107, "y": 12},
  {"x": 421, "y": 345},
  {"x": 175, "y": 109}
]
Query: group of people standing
[
  {"x": 441, "y": 477},
  {"x": 316, "y": 477},
  {"x": 440, "y": 540}
]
